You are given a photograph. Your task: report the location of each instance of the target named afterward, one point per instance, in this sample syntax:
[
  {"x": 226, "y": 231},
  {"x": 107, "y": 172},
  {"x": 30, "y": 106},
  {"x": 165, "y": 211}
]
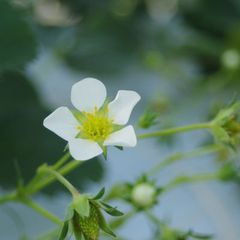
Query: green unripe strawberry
[{"x": 90, "y": 225}]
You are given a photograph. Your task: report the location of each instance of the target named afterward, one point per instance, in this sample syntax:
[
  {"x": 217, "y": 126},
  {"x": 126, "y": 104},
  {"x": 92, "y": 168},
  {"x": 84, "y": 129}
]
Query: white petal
[
  {"x": 63, "y": 123},
  {"x": 83, "y": 149},
  {"x": 88, "y": 94},
  {"x": 125, "y": 137},
  {"x": 121, "y": 107}
]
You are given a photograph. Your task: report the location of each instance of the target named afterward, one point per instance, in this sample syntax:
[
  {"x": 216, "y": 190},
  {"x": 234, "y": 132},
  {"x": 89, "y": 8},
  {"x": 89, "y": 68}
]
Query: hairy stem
[
  {"x": 169, "y": 131},
  {"x": 180, "y": 156},
  {"x": 190, "y": 179},
  {"x": 7, "y": 198},
  {"x": 62, "y": 180},
  {"x": 47, "y": 181},
  {"x": 61, "y": 161},
  {"x": 39, "y": 176},
  {"x": 41, "y": 211}
]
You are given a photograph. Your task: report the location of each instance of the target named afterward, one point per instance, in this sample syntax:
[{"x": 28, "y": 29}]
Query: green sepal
[
  {"x": 64, "y": 231},
  {"x": 113, "y": 211},
  {"x": 69, "y": 212},
  {"x": 119, "y": 147},
  {"x": 226, "y": 114},
  {"x": 78, "y": 236},
  {"x": 103, "y": 224},
  {"x": 227, "y": 172},
  {"x": 99, "y": 194},
  {"x": 220, "y": 134},
  {"x": 148, "y": 119},
  {"x": 81, "y": 205},
  {"x": 198, "y": 235},
  {"x": 75, "y": 227},
  {"x": 105, "y": 153}
]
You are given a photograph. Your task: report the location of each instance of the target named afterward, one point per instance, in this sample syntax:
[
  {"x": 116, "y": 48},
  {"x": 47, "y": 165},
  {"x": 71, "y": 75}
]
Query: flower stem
[
  {"x": 117, "y": 223},
  {"x": 42, "y": 211},
  {"x": 62, "y": 180},
  {"x": 180, "y": 156},
  {"x": 61, "y": 161},
  {"x": 39, "y": 176},
  {"x": 190, "y": 179},
  {"x": 169, "y": 131},
  {"x": 47, "y": 181},
  {"x": 7, "y": 198}
]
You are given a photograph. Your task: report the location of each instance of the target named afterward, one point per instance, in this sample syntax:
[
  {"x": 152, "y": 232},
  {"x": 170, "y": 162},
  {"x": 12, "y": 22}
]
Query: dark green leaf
[
  {"x": 106, "y": 205},
  {"x": 99, "y": 194},
  {"x": 111, "y": 210},
  {"x": 17, "y": 43},
  {"x": 119, "y": 147},
  {"x": 104, "y": 226},
  {"x": 114, "y": 212},
  {"x": 64, "y": 231}
]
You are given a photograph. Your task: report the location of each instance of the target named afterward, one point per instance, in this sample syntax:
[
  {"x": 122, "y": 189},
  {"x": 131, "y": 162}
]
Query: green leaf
[
  {"x": 119, "y": 147},
  {"x": 114, "y": 212},
  {"x": 70, "y": 212},
  {"x": 99, "y": 194},
  {"x": 17, "y": 42},
  {"x": 220, "y": 134},
  {"x": 81, "y": 205},
  {"x": 103, "y": 225},
  {"x": 106, "y": 205},
  {"x": 64, "y": 231},
  {"x": 78, "y": 236}
]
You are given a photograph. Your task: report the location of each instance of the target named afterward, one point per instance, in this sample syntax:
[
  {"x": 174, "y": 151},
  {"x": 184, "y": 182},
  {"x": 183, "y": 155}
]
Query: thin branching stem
[{"x": 170, "y": 131}]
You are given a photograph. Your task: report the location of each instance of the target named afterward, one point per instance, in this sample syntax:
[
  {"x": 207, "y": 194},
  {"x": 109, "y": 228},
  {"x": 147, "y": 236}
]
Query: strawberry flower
[{"x": 97, "y": 124}]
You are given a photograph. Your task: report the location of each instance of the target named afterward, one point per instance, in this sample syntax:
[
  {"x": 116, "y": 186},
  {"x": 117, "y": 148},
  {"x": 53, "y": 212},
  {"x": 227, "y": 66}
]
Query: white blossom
[{"x": 96, "y": 124}]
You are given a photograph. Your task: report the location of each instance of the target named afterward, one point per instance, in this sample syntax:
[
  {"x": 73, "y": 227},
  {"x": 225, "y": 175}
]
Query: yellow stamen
[{"x": 96, "y": 126}]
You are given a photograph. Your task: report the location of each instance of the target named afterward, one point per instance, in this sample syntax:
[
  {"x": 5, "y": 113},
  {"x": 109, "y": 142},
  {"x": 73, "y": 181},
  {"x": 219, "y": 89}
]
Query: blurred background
[{"x": 182, "y": 56}]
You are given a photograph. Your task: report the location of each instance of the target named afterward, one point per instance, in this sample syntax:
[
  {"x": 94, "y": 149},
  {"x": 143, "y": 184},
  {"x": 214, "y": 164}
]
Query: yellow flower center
[{"x": 96, "y": 126}]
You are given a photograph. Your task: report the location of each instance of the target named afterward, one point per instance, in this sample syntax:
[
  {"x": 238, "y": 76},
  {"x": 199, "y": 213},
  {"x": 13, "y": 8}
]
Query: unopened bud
[
  {"x": 231, "y": 59},
  {"x": 144, "y": 195}
]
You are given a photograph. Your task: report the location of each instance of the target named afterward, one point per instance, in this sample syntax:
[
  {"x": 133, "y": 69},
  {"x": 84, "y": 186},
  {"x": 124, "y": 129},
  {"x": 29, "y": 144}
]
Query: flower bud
[
  {"x": 231, "y": 59},
  {"x": 144, "y": 195},
  {"x": 148, "y": 119},
  {"x": 227, "y": 172},
  {"x": 226, "y": 125}
]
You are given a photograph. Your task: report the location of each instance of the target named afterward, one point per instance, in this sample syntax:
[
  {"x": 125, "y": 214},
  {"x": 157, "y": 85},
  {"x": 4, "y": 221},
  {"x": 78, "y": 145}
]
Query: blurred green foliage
[
  {"x": 24, "y": 140},
  {"x": 166, "y": 37},
  {"x": 17, "y": 45}
]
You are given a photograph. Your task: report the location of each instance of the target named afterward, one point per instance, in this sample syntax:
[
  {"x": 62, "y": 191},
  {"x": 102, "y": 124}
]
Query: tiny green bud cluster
[
  {"x": 148, "y": 119},
  {"x": 226, "y": 126}
]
